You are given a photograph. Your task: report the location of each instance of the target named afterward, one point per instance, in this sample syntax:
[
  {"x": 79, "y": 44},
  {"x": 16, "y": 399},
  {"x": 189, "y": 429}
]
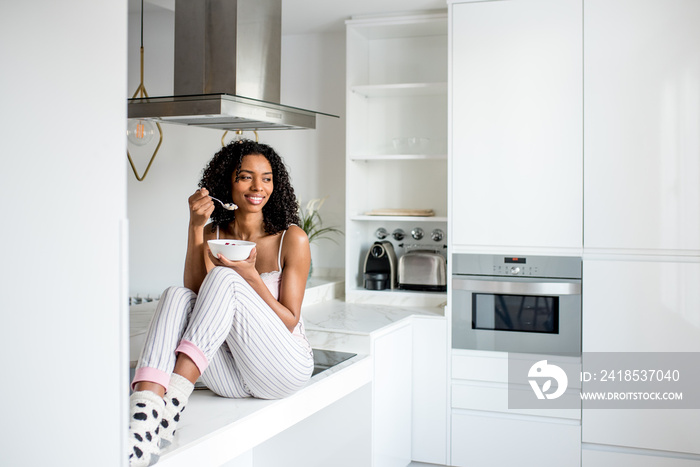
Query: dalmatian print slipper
[
  {"x": 146, "y": 413},
  {"x": 176, "y": 398}
]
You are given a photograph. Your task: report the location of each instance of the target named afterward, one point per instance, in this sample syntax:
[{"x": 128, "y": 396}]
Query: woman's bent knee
[
  {"x": 221, "y": 275},
  {"x": 175, "y": 301},
  {"x": 176, "y": 292},
  {"x": 223, "y": 271}
]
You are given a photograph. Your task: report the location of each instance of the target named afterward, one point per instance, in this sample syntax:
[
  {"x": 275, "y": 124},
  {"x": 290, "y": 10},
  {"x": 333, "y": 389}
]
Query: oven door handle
[{"x": 517, "y": 288}]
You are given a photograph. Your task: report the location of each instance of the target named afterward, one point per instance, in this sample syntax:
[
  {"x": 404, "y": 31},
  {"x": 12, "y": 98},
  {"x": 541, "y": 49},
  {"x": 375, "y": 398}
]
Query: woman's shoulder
[
  {"x": 295, "y": 235},
  {"x": 295, "y": 246}
]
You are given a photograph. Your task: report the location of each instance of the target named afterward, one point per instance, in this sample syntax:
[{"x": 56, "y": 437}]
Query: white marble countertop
[{"x": 359, "y": 318}]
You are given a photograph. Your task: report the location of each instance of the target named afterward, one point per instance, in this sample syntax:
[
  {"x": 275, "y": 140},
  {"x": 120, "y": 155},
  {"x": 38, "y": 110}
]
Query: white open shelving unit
[{"x": 396, "y": 89}]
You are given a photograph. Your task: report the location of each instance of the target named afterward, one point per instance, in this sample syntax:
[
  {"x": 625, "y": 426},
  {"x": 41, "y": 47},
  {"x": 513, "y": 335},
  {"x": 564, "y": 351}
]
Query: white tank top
[{"x": 272, "y": 280}]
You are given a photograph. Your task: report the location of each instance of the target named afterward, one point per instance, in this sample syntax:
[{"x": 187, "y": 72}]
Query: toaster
[{"x": 423, "y": 270}]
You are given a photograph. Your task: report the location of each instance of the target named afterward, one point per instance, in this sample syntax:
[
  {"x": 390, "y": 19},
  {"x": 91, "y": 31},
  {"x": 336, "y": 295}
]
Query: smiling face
[{"x": 253, "y": 184}]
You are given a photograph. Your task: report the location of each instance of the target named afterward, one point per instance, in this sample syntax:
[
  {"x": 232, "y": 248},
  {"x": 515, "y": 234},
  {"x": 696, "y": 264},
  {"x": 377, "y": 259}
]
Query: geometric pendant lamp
[{"x": 139, "y": 131}]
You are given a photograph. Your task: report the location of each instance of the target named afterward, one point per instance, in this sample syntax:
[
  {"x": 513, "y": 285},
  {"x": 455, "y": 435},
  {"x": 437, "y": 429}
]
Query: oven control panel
[
  {"x": 555, "y": 267},
  {"x": 513, "y": 270}
]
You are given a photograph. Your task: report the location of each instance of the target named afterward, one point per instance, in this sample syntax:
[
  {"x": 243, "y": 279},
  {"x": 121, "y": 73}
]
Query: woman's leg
[
  {"x": 260, "y": 358},
  {"x": 271, "y": 362},
  {"x": 223, "y": 377},
  {"x": 158, "y": 356},
  {"x": 148, "y": 409},
  {"x": 210, "y": 320}
]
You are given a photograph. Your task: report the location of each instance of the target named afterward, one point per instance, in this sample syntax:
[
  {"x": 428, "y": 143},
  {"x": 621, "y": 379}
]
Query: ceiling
[
  {"x": 312, "y": 16},
  {"x": 316, "y": 16}
]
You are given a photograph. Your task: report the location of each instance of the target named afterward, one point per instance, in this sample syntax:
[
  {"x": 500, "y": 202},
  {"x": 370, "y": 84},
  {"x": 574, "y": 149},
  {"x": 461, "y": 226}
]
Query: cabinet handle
[{"x": 516, "y": 288}]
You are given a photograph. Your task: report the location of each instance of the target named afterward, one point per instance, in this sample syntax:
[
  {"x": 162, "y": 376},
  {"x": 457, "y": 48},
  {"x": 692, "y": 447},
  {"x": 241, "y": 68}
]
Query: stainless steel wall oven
[{"x": 529, "y": 304}]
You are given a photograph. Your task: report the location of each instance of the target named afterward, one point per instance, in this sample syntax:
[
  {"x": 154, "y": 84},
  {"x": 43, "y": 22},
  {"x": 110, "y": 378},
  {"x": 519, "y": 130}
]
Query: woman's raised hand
[{"x": 201, "y": 207}]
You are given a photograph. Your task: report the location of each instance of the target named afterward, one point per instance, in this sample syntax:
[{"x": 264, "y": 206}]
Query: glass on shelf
[{"x": 410, "y": 145}]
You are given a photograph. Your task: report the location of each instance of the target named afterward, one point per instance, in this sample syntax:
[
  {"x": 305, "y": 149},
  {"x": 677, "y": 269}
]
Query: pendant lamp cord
[
  {"x": 142, "y": 90},
  {"x": 141, "y": 23}
]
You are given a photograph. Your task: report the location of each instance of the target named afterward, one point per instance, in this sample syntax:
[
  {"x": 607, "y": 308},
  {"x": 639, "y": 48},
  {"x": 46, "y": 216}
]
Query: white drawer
[
  {"x": 607, "y": 456},
  {"x": 484, "y": 440},
  {"x": 481, "y": 366},
  {"x": 477, "y": 365},
  {"x": 493, "y": 397}
]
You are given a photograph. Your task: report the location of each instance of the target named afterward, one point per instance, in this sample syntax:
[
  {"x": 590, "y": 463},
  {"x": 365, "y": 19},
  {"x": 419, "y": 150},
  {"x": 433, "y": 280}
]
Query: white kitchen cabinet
[
  {"x": 429, "y": 398},
  {"x": 480, "y": 439},
  {"x": 391, "y": 401},
  {"x": 641, "y": 128},
  {"x": 642, "y": 212},
  {"x": 409, "y": 403},
  {"x": 516, "y": 152},
  {"x": 642, "y": 306},
  {"x": 338, "y": 436},
  {"x": 396, "y": 89},
  {"x": 485, "y": 431}
]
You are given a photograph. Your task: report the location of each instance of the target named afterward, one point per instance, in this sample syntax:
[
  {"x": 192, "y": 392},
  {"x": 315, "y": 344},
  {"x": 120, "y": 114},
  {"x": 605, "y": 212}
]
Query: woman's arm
[
  {"x": 296, "y": 261},
  {"x": 201, "y": 208}
]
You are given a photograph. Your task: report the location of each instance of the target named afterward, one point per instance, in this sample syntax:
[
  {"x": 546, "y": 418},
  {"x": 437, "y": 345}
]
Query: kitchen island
[{"x": 336, "y": 417}]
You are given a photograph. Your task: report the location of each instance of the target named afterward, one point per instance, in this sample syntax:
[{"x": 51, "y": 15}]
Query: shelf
[
  {"x": 396, "y": 134},
  {"x": 398, "y": 218},
  {"x": 397, "y": 157},
  {"x": 385, "y": 27},
  {"x": 400, "y": 90}
]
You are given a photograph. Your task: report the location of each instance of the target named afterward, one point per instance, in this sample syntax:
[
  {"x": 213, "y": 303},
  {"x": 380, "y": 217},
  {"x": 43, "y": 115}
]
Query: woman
[{"x": 236, "y": 324}]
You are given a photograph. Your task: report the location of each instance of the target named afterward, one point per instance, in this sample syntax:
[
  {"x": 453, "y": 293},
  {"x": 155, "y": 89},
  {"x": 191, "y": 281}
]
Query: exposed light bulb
[
  {"x": 237, "y": 136},
  {"x": 140, "y": 132}
]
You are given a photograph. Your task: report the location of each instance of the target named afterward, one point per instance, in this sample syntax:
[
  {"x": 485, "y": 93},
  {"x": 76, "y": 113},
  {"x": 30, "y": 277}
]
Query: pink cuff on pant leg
[
  {"x": 192, "y": 351},
  {"x": 152, "y": 375}
]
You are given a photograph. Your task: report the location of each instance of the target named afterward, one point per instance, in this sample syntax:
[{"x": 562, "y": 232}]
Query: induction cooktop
[{"x": 325, "y": 359}]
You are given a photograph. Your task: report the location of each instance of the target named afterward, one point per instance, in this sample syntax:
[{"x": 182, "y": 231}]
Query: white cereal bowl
[{"x": 233, "y": 250}]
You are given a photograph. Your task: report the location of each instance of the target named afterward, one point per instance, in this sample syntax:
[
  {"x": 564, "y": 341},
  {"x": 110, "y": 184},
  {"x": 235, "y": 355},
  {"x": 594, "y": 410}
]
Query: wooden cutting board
[{"x": 401, "y": 212}]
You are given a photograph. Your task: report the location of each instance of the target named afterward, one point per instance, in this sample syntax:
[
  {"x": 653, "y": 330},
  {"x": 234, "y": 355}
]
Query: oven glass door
[
  {"x": 522, "y": 315},
  {"x": 517, "y": 313}
]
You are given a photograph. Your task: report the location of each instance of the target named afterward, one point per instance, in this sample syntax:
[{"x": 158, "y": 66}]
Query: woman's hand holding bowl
[{"x": 246, "y": 267}]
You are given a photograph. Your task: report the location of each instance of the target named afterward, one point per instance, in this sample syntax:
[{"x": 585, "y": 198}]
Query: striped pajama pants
[{"x": 239, "y": 344}]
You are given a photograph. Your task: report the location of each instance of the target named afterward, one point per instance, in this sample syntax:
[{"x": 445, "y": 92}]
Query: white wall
[
  {"x": 313, "y": 77},
  {"x": 63, "y": 279}
]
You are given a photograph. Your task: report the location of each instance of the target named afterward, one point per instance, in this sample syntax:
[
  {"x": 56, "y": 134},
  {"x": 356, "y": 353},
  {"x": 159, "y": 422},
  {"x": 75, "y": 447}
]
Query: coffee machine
[{"x": 380, "y": 267}]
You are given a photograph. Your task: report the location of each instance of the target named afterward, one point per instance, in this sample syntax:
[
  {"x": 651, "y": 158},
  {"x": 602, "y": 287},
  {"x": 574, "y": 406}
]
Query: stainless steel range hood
[{"x": 227, "y": 69}]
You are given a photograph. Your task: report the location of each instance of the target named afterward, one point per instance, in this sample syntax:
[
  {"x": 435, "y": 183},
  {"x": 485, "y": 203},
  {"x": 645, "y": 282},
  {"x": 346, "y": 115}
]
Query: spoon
[{"x": 227, "y": 206}]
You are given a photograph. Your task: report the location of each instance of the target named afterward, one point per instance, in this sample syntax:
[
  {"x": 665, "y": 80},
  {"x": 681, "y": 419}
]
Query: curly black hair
[{"x": 281, "y": 209}]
